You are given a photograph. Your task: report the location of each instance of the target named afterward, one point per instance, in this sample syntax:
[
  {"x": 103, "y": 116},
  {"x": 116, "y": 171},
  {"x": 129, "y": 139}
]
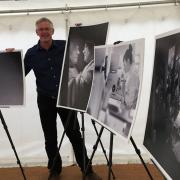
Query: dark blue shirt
[{"x": 47, "y": 65}]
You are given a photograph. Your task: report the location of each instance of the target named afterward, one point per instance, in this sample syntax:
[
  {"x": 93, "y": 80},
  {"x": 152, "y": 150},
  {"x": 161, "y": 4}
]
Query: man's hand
[{"x": 9, "y": 49}]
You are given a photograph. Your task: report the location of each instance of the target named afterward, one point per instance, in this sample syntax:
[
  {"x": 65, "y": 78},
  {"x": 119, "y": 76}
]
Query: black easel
[
  {"x": 95, "y": 147},
  {"x": 12, "y": 145},
  {"x": 138, "y": 152},
  {"x": 111, "y": 149},
  {"x": 110, "y": 155},
  {"x": 109, "y": 162},
  {"x": 83, "y": 137}
]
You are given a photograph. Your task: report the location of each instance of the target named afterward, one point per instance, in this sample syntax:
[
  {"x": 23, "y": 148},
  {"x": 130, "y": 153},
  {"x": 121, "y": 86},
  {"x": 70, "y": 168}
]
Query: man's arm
[{"x": 27, "y": 65}]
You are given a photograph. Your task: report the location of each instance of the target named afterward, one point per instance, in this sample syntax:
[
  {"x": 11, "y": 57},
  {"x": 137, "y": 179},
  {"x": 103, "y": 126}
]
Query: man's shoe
[
  {"x": 92, "y": 176},
  {"x": 55, "y": 165},
  {"x": 53, "y": 175}
]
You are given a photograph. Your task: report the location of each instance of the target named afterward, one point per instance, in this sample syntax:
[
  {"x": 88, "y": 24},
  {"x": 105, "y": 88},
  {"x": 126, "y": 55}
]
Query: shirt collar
[{"x": 54, "y": 44}]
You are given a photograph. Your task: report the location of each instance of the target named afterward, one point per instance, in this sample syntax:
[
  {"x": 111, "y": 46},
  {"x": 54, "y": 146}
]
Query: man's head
[{"x": 44, "y": 29}]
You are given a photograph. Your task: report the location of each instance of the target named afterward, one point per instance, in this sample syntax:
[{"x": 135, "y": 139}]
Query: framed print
[
  {"x": 162, "y": 135},
  {"x": 78, "y": 67},
  {"x": 11, "y": 79},
  {"x": 116, "y": 85}
]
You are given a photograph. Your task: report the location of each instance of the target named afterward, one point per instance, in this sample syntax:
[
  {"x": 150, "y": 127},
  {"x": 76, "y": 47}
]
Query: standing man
[{"x": 45, "y": 59}]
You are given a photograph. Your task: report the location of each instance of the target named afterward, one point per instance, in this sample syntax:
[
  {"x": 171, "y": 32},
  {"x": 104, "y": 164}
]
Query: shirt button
[
  {"x": 49, "y": 59},
  {"x": 56, "y": 85},
  {"x": 51, "y": 68},
  {"x": 54, "y": 76}
]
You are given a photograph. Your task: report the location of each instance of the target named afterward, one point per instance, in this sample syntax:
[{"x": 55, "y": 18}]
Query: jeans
[{"x": 48, "y": 114}]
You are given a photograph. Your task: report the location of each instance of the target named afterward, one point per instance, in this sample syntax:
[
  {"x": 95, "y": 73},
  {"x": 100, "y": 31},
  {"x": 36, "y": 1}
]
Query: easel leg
[
  {"x": 158, "y": 169},
  {"x": 12, "y": 145},
  {"x": 83, "y": 137},
  {"x": 95, "y": 147},
  {"x": 103, "y": 149},
  {"x": 110, "y": 155},
  {"x": 139, "y": 154}
]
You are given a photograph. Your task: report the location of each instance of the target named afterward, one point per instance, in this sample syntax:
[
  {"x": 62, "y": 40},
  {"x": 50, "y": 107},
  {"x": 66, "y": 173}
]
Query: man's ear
[
  {"x": 52, "y": 31},
  {"x": 36, "y": 32}
]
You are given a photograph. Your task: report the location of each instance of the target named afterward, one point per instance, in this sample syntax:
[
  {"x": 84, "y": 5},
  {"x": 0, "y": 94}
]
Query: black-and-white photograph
[
  {"x": 162, "y": 135},
  {"x": 77, "y": 74},
  {"x": 116, "y": 85},
  {"x": 102, "y": 65},
  {"x": 11, "y": 79}
]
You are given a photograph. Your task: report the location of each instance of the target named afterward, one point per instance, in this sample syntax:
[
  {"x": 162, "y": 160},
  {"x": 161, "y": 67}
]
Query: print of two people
[{"x": 81, "y": 66}]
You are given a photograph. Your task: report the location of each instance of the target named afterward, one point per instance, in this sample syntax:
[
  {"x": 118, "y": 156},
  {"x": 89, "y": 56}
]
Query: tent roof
[{"x": 6, "y": 6}]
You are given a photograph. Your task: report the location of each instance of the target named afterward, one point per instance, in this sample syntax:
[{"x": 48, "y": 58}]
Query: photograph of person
[
  {"x": 121, "y": 92},
  {"x": 116, "y": 94},
  {"x": 80, "y": 81},
  {"x": 162, "y": 137},
  {"x": 11, "y": 79},
  {"x": 77, "y": 74},
  {"x": 102, "y": 62}
]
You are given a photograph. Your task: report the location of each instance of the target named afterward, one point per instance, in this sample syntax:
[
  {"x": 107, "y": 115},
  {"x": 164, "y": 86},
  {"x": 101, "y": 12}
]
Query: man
[{"x": 46, "y": 58}]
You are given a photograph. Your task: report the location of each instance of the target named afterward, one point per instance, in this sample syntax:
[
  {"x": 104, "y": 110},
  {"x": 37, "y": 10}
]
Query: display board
[
  {"x": 11, "y": 79},
  {"x": 162, "y": 135},
  {"x": 116, "y": 85},
  {"x": 78, "y": 65}
]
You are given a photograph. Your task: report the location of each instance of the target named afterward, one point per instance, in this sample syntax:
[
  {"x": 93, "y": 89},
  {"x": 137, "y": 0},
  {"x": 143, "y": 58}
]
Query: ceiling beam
[{"x": 91, "y": 7}]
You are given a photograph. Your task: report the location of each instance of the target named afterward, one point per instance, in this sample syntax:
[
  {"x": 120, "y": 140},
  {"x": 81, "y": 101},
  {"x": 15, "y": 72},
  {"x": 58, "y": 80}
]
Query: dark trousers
[{"x": 48, "y": 114}]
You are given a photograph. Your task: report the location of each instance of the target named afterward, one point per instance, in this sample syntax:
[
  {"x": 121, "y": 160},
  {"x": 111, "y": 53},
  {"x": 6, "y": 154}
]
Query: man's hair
[{"x": 44, "y": 19}]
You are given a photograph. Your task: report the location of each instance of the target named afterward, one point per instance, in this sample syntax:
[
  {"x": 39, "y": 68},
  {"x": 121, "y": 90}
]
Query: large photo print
[
  {"x": 11, "y": 79},
  {"x": 162, "y": 135},
  {"x": 116, "y": 85},
  {"x": 77, "y": 74}
]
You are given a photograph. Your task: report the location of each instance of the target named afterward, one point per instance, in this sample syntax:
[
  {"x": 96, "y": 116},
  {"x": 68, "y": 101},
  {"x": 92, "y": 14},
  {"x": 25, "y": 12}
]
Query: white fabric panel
[{"x": 24, "y": 124}]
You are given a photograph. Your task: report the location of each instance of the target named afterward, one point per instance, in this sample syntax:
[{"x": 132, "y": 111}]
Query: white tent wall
[{"x": 18, "y": 31}]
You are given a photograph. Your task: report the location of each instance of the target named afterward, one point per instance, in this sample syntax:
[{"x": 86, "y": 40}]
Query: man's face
[
  {"x": 45, "y": 31},
  {"x": 86, "y": 53},
  {"x": 74, "y": 54}
]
